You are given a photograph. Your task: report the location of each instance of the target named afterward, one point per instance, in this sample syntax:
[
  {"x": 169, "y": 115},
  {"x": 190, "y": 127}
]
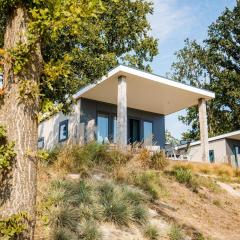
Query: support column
[
  {"x": 203, "y": 129},
  {"x": 122, "y": 113}
]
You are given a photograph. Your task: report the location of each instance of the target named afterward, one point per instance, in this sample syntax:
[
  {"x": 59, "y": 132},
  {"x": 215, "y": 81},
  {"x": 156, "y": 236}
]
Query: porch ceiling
[{"x": 145, "y": 91}]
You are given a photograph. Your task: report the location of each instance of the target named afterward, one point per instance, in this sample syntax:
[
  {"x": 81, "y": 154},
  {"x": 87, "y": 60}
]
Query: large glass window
[
  {"x": 63, "y": 131},
  {"x": 102, "y": 128},
  {"x": 148, "y": 132}
]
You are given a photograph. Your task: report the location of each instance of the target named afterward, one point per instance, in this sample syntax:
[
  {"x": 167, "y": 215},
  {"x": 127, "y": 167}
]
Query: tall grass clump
[
  {"x": 149, "y": 181},
  {"x": 184, "y": 175},
  {"x": 151, "y": 232},
  {"x": 155, "y": 161},
  {"x": 176, "y": 233}
]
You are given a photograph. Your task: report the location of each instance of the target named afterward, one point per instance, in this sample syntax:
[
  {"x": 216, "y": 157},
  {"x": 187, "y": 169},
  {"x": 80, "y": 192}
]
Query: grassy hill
[{"x": 92, "y": 193}]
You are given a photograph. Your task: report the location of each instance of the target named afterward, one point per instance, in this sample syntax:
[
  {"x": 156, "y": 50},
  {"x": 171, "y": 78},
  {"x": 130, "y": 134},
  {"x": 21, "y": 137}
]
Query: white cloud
[{"x": 170, "y": 17}]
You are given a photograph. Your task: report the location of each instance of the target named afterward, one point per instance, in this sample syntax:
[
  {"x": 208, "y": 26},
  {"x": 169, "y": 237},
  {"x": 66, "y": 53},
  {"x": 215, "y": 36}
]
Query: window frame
[
  {"x": 209, "y": 152},
  {"x": 65, "y": 122},
  {"x": 147, "y": 121}
]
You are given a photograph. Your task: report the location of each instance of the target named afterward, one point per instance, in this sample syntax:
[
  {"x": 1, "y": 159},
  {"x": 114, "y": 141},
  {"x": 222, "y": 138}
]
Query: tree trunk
[{"x": 20, "y": 119}]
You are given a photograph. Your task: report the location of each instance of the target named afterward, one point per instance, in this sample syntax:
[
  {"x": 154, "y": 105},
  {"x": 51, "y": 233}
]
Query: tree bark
[{"x": 20, "y": 119}]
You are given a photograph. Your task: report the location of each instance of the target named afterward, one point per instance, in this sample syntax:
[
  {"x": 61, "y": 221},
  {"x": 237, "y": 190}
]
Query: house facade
[
  {"x": 224, "y": 148},
  {"x": 124, "y": 107}
]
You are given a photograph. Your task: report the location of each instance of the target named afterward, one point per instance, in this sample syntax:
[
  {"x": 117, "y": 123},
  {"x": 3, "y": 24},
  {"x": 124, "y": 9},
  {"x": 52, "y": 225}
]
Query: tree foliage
[
  {"x": 214, "y": 65},
  {"x": 80, "y": 41}
]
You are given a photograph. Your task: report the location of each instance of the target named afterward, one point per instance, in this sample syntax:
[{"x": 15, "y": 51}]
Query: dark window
[
  {"x": 63, "y": 131},
  {"x": 1, "y": 80},
  {"x": 211, "y": 156},
  {"x": 41, "y": 143}
]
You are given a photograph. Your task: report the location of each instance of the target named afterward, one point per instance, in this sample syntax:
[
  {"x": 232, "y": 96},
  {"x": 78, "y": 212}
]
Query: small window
[
  {"x": 63, "y": 131},
  {"x": 41, "y": 143},
  {"x": 211, "y": 156}
]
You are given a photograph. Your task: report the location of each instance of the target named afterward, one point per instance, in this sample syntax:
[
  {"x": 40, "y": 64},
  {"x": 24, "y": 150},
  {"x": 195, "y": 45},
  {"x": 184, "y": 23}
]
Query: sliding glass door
[{"x": 148, "y": 133}]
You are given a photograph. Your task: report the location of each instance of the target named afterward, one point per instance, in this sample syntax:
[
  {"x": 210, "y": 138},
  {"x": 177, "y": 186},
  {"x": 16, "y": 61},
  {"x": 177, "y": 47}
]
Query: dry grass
[{"x": 220, "y": 170}]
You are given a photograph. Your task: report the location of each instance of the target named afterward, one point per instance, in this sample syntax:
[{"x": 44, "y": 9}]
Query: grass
[
  {"x": 149, "y": 181},
  {"x": 151, "y": 232},
  {"x": 175, "y": 233}
]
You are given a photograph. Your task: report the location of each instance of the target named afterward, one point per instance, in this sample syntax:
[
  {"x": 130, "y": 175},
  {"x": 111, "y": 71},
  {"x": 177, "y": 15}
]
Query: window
[
  {"x": 63, "y": 131},
  {"x": 1, "y": 80},
  {"x": 41, "y": 143},
  {"x": 211, "y": 156},
  {"x": 102, "y": 128},
  {"x": 114, "y": 129},
  {"x": 148, "y": 132}
]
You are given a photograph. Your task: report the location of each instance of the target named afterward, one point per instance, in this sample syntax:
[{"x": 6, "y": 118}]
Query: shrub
[
  {"x": 151, "y": 232},
  {"x": 158, "y": 161},
  {"x": 182, "y": 174},
  {"x": 63, "y": 234},
  {"x": 64, "y": 216},
  {"x": 116, "y": 208},
  {"x": 176, "y": 233},
  {"x": 89, "y": 231},
  {"x": 144, "y": 157},
  {"x": 149, "y": 181},
  {"x": 140, "y": 214},
  {"x": 14, "y": 226}
]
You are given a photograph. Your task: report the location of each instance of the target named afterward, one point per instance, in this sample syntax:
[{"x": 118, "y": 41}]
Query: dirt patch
[{"x": 216, "y": 215}]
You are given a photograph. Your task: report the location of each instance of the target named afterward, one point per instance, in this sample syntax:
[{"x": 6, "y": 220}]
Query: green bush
[
  {"x": 89, "y": 231},
  {"x": 149, "y": 181},
  {"x": 14, "y": 226},
  {"x": 151, "y": 232},
  {"x": 182, "y": 174},
  {"x": 158, "y": 161}
]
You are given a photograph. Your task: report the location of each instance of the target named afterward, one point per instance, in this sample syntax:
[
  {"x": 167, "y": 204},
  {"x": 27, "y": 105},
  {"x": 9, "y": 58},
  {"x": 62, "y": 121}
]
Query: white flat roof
[
  {"x": 145, "y": 91},
  {"x": 232, "y": 135}
]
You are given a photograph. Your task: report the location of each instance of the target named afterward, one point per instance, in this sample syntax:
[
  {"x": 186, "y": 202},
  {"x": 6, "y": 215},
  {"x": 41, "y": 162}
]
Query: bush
[
  {"x": 14, "y": 226},
  {"x": 89, "y": 231},
  {"x": 182, "y": 174},
  {"x": 176, "y": 233},
  {"x": 151, "y": 232},
  {"x": 149, "y": 181},
  {"x": 158, "y": 161}
]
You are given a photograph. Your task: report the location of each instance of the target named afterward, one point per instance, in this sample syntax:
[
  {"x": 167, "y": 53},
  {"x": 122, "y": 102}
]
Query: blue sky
[{"x": 172, "y": 22}]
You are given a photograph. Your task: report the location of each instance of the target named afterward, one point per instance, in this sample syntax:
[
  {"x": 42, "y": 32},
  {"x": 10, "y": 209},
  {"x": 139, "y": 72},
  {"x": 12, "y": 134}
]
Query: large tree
[
  {"x": 50, "y": 48},
  {"x": 214, "y": 65}
]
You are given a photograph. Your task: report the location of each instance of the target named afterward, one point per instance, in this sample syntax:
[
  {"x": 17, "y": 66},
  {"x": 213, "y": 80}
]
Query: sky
[{"x": 172, "y": 22}]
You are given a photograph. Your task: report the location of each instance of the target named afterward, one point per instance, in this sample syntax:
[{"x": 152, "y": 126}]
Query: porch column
[
  {"x": 203, "y": 129},
  {"x": 122, "y": 113}
]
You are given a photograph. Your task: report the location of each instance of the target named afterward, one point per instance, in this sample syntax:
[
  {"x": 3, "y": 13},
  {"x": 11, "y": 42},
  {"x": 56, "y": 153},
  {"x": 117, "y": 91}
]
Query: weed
[
  {"x": 182, "y": 174},
  {"x": 151, "y": 232},
  {"x": 176, "y": 233},
  {"x": 140, "y": 214},
  {"x": 149, "y": 181},
  {"x": 217, "y": 203},
  {"x": 89, "y": 231},
  {"x": 158, "y": 161}
]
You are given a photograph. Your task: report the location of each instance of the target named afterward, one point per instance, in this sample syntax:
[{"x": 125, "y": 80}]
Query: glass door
[
  {"x": 134, "y": 130},
  {"x": 102, "y": 128}
]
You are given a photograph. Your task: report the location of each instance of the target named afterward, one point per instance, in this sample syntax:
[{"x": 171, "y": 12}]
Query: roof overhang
[
  {"x": 232, "y": 135},
  {"x": 145, "y": 91}
]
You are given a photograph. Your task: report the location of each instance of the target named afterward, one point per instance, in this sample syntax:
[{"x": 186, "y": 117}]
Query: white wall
[
  {"x": 219, "y": 147},
  {"x": 49, "y": 129}
]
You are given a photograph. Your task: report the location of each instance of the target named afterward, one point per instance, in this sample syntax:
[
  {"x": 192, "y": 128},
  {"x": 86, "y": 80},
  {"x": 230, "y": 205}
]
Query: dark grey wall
[{"x": 90, "y": 108}]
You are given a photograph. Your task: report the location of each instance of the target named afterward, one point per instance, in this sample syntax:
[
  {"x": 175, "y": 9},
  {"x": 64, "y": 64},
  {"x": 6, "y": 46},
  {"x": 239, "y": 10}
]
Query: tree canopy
[
  {"x": 214, "y": 65},
  {"x": 80, "y": 41}
]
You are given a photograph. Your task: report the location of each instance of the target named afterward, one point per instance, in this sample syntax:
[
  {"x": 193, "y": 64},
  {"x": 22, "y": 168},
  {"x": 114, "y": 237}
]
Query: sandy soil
[{"x": 216, "y": 215}]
